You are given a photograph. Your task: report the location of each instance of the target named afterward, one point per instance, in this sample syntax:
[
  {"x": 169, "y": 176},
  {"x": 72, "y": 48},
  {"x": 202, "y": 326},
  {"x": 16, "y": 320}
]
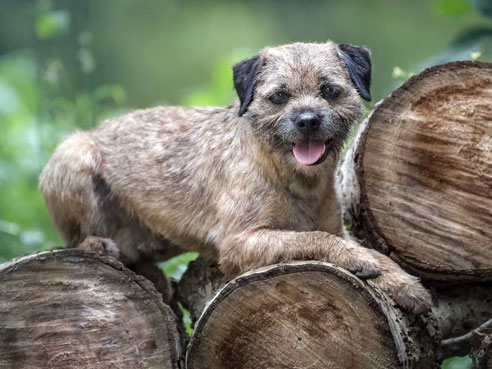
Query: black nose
[{"x": 307, "y": 123}]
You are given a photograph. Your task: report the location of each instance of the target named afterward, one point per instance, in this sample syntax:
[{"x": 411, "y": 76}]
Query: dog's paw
[
  {"x": 356, "y": 260},
  {"x": 405, "y": 289},
  {"x": 100, "y": 246},
  {"x": 413, "y": 297}
]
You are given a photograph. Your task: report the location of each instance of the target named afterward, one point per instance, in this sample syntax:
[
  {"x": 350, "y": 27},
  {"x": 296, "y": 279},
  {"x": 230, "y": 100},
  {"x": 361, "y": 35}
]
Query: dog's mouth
[{"x": 311, "y": 151}]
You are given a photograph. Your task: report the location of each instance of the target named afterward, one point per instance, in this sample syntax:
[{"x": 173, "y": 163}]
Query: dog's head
[{"x": 302, "y": 99}]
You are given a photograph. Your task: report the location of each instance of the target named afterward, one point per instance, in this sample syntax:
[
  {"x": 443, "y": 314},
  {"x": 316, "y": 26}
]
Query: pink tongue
[{"x": 308, "y": 152}]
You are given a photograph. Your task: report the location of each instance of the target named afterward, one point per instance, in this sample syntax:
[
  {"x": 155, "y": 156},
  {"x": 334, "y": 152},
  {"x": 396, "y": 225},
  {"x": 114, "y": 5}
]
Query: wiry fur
[{"x": 168, "y": 179}]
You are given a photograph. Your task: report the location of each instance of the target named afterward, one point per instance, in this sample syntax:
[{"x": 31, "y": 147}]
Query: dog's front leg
[
  {"x": 258, "y": 248},
  {"x": 254, "y": 249}
]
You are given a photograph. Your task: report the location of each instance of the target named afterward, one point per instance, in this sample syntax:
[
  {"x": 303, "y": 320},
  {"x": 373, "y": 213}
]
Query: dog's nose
[{"x": 307, "y": 123}]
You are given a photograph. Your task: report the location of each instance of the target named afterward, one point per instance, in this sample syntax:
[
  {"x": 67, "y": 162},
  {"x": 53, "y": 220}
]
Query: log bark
[
  {"x": 417, "y": 180},
  {"x": 462, "y": 312},
  {"x": 302, "y": 315},
  {"x": 482, "y": 351},
  {"x": 198, "y": 285},
  {"x": 70, "y": 309}
]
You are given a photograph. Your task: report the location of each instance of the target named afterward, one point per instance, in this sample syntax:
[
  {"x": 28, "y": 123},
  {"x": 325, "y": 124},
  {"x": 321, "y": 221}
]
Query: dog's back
[{"x": 158, "y": 169}]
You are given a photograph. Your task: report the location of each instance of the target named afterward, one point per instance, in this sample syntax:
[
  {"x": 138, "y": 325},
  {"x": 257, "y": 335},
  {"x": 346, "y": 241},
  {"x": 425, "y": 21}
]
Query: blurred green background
[{"x": 66, "y": 65}]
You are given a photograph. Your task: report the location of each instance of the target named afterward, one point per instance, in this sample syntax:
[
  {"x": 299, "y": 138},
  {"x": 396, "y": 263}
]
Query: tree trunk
[
  {"x": 417, "y": 180},
  {"x": 302, "y": 315},
  {"x": 70, "y": 309}
]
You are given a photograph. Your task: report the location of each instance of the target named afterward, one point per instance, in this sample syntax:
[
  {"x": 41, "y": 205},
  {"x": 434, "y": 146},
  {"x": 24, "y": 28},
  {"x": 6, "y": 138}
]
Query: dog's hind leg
[{"x": 69, "y": 187}]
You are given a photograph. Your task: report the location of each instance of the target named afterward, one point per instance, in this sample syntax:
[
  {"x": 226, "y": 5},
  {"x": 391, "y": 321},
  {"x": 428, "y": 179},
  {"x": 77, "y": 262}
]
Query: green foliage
[
  {"x": 176, "y": 266},
  {"x": 33, "y": 122},
  {"x": 52, "y": 24},
  {"x": 20, "y": 151},
  {"x": 453, "y": 7},
  {"x": 219, "y": 90},
  {"x": 186, "y": 320},
  {"x": 35, "y": 115},
  {"x": 457, "y": 363}
]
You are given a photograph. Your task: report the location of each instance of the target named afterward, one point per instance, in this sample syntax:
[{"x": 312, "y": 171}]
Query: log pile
[{"x": 416, "y": 184}]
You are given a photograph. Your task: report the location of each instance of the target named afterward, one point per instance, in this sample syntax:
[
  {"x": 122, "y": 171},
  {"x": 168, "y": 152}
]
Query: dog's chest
[{"x": 303, "y": 210}]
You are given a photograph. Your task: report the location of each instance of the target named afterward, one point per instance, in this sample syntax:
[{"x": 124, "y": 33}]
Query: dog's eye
[
  {"x": 279, "y": 97},
  {"x": 330, "y": 92}
]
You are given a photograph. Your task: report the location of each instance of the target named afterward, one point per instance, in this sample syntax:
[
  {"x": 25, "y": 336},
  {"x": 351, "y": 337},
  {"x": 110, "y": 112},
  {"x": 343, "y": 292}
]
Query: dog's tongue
[{"x": 309, "y": 151}]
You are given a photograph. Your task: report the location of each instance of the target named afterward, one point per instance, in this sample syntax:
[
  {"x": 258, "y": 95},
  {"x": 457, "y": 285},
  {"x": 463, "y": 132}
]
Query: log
[
  {"x": 417, "y": 179},
  {"x": 70, "y": 309},
  {"x": 302, "y": 315}
]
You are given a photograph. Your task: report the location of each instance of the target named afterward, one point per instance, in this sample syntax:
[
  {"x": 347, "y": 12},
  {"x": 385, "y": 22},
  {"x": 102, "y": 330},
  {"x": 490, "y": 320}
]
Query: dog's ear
[
  {"x": 244, "y": 74},
  {"x": 358, "y": 62}
]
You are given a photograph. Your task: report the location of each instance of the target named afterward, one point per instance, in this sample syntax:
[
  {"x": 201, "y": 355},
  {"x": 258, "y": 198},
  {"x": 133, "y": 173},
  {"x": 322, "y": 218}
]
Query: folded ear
[
  {"x": 358, "y": 62},
  {"x": 245, "y": 73}
]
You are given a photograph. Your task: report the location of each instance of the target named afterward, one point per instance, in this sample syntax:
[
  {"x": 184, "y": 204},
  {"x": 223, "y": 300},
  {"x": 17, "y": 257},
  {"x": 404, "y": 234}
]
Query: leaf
[
  {"x": 186, "y": 320},
  {"x": 452, "y": 8},
  {"x": 457, "y": 363},
  {"x": 51, "y": 24},
  {"x": 176, "y": 266}
]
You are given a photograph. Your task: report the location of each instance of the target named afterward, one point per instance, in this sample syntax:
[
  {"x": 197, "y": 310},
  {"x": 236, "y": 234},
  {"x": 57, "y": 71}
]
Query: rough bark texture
[
  {"x": 70, "y": 309},
  {"x": 417, "y": 180},
  {"x": 198, "y": 285},
  {"x": 303, "y": 314},
  {"x": 462, "y": 312},
  {"x": 482, "y": 351}
]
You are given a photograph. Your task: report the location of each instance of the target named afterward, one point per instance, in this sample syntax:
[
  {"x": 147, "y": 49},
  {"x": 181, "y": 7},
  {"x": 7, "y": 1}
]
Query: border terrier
[{"x": 249, "y": 185}]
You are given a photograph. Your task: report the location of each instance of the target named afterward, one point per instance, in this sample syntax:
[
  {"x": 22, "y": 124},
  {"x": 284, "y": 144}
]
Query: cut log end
[
  {"x": 423, "y": 168},
  {"x": 301, "y": 315},
  {"x": 68, "y": 308}
]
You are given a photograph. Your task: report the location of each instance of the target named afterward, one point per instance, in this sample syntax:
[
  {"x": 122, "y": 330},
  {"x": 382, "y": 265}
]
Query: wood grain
[
  {"x": 303, "y": 315},
  {"x": 423, "y": 172},
  {"x": 70, "y": 309}
]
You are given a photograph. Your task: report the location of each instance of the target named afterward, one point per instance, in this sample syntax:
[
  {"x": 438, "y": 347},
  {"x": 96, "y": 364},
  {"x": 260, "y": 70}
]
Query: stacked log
[
  {"x": 416, "y": 184},
  {"x": 70, "y": 309}
]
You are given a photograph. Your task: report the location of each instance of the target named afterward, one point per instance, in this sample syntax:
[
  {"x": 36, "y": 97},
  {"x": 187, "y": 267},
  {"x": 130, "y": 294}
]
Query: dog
[{"x": 249, "y": 185}]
